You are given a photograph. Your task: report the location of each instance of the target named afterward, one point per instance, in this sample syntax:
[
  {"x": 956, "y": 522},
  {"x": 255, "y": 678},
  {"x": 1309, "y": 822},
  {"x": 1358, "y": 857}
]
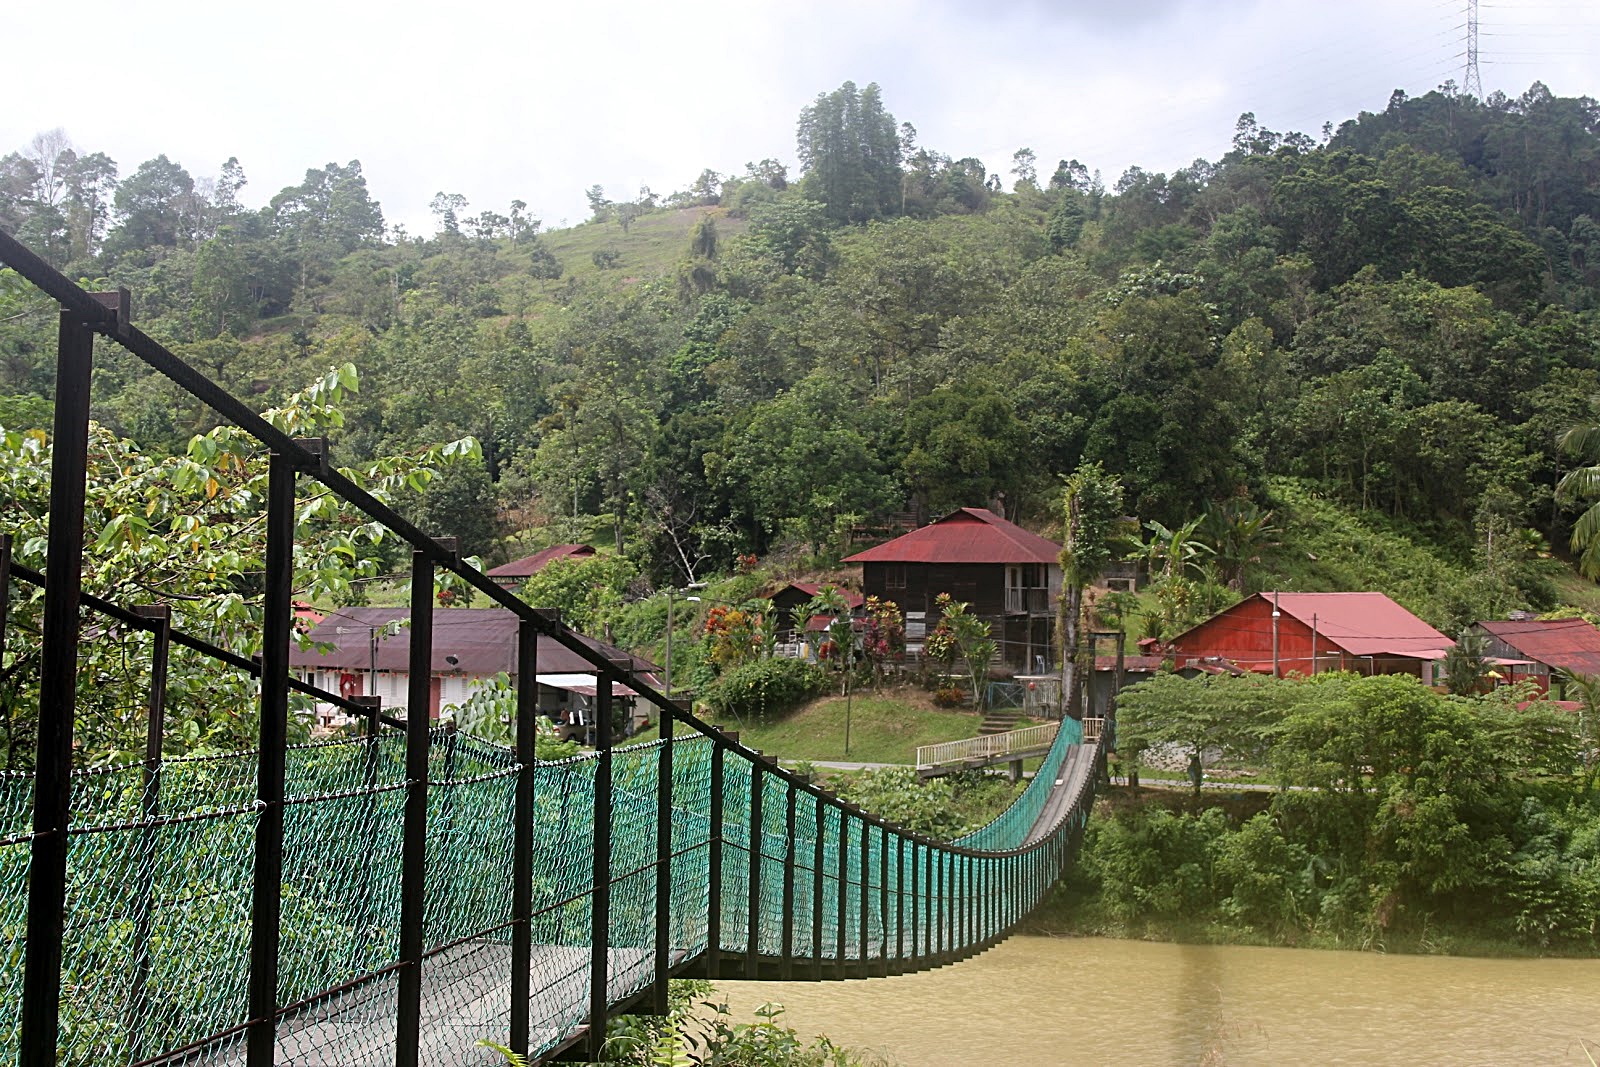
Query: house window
[{"x": 894, "y": 576}]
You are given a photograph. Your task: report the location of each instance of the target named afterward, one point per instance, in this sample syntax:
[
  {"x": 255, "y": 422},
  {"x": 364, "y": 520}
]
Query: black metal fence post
[
  {"x": 522, "y": 834},
  {"x": 883, "y": 899},
  {"x": 5, "y": 589},
  {"x": 752, "y": 961},
  {"x": 267, "y": 888},
  {"x": 916, "y": 900},
  {"x": 664, "y": 790},
  {"x": 160, "y": 616},
  {"x": 819, "y": 857},
  {"x": 900, "y": 898},
  {"x": 600, "y": 902},
  {"x": 788, "y": 882},
  {"x": 58, "y": 694},
  {"x": 864, "y": 894},
  {"x": 369, "y": 781},
  {"x": 714, "y": 869},
  {"x": 414, "y": 833},
  {"x": 842, "y": 922}
]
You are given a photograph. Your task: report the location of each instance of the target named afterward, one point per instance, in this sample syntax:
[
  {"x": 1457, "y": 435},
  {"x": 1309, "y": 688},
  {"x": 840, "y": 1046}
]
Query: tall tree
[{"x": 850, "y": 152}]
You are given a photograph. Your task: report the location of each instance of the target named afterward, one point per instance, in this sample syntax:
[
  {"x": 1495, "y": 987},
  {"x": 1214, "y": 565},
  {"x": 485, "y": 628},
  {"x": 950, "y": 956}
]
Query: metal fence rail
[
  {"x": 988, "y": 747},
  {"x": 396, "y": 896}
]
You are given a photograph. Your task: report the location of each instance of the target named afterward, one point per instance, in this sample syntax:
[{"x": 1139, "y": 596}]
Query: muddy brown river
[{"x": 1047, "y": 1001}]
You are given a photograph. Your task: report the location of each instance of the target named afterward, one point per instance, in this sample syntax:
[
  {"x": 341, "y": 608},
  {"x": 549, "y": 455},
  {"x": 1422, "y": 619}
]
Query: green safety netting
[{"x": 156, "y": 953}]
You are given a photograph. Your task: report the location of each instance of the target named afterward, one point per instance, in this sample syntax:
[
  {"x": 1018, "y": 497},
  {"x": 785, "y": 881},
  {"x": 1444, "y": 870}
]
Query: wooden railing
[
  {"x": 991, "y": 747},
  {"x": 1092, "y": 729}
]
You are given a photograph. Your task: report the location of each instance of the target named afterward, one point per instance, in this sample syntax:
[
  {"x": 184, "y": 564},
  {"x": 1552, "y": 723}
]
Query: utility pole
[
  {"x": 1473, "y": 81},
  {"x": 1275, "y": 614},
  {"x": 687, "y": 600},
  {"x": 1313, "y": 642}
]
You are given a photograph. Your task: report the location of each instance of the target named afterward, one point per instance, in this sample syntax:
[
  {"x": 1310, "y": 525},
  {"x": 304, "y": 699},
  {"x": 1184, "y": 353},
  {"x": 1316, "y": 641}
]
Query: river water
[{"x": 1069, "y": 1001}]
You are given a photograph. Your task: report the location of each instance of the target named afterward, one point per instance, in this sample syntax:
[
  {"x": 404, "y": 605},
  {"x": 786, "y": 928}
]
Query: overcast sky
[{"x": 536, "y": 101}]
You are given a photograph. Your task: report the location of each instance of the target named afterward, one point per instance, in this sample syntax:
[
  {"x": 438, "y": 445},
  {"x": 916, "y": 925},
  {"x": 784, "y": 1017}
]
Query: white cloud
[{"x": 537, "y": 101}]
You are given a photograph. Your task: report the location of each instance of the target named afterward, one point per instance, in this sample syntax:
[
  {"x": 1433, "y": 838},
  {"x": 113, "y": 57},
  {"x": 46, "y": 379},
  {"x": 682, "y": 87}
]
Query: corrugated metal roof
[
  {"x": 1363, "y": 624},
  {"x": 522, "y": 568},
  {"x": 1570, "y": 645},
  {"x": 483, "y": 641},
  {"x": 971, "y": 535}
]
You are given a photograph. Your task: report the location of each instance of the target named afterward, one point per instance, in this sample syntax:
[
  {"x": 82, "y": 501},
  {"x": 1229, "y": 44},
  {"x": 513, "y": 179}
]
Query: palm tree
[
  {"x": 1583, "y": 483},
  {"x": 1466, "y": 666}
]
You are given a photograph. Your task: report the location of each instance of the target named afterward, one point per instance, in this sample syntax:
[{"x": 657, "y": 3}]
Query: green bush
[{"x": 764, "y": 689}]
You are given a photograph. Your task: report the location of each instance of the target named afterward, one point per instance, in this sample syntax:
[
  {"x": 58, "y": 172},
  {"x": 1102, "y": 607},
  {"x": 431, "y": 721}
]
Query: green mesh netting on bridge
[{"x": 157, "y": 943}]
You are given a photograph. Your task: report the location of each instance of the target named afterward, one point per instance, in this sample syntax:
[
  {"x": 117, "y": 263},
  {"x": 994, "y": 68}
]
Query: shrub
[
  {"x": 947, "y": 696},
  {"x": 764, "y": 688}
]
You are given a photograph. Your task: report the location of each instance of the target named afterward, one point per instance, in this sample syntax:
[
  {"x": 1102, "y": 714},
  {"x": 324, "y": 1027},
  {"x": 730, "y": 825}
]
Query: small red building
[{"x": 1363, "y": 632}]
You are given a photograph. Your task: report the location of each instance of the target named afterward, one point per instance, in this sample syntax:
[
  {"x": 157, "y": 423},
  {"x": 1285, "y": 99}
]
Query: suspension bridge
[{"x": 401, "y": 894}]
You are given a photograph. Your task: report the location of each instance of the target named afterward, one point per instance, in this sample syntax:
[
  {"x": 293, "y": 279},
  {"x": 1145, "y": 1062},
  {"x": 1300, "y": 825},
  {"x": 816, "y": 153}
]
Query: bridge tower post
[
  {"x": 522, "y": 835},
  {"x": 414, "y": 828},
  {"x": 267, "y": 878},
  {"x": 58, "y": 692}
]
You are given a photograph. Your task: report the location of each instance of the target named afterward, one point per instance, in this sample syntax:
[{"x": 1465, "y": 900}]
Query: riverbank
[{"x": 1241, "y": 868}]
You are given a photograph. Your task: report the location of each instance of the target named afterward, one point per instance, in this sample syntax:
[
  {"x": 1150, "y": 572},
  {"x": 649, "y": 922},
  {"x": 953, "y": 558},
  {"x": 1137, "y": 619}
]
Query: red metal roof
[
  {"x": 1360, "y": 624},
  {"x": 1570, "y": 645},
  {"x": 971, "y": 535},
  {"x": 483, "y": 641},
  {"x": 528, "y": 565},
  {"x": 1363, "y": 624}
]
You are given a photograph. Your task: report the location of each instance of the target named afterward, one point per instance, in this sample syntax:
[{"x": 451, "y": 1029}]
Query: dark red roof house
[
  {"x": 519, "y": 570},
  {"x": 1541, "y": 649},
  {"x": 368, "y": 650},
  {"x": 1009, "y": 576},
  {"x": 1363, "y": 632}
]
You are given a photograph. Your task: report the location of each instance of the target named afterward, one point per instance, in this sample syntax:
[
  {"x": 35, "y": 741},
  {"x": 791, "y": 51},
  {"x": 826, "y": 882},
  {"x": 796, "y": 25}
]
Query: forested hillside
[{"x": 1391, "y": 324}]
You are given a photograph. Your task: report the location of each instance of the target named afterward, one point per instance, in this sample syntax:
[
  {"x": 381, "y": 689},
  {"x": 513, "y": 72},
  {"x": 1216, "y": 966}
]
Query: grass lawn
[{"x": 884, "y": 728}]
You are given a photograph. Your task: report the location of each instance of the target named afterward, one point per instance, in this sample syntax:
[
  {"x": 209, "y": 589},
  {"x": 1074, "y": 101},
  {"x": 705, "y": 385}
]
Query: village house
[
  {"x": 367, "y": 651},
  {"x": 518, "y": 571},
  {"x": 1011, "y": 578},
  {"x": 1542, "y": 651},
  {"x": 1308, "y": 633},
  {"x": 786, "y": 600}
]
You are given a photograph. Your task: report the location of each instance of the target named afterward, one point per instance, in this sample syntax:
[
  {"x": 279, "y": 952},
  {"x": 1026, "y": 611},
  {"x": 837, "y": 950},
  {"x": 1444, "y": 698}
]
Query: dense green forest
[{"x": 1391, "y": 325}]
